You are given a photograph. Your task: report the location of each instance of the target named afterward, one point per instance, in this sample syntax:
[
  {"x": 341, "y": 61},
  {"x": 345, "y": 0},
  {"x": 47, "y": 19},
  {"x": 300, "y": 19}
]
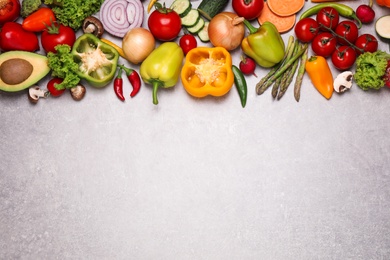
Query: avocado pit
[{"x": 15, "y": 71}]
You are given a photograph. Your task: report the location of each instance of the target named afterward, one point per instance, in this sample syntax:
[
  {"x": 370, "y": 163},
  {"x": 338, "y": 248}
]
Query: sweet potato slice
[
  {"x": 282, "y": 23},
  {"x": 285, "y": 7}
]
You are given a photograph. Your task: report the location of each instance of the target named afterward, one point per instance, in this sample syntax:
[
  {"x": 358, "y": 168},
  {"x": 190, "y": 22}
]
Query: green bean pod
[
  {"x": 240, "y": 82},
  {"x": 344, "y": 10}
]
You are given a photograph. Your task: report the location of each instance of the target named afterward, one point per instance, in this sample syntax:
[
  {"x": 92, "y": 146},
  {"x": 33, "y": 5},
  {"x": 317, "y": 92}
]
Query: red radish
[
  {"x": 248, "y": 66},
  {"x": 365, "y": 13}
]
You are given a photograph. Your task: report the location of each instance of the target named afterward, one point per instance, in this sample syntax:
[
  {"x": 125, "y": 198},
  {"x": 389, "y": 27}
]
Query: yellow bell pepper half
[{"x": 207, "y": 71}]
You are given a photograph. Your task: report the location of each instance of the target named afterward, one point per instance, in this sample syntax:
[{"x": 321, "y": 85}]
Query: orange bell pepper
[
  {"x": 320, "y": 75},
  {"x": 207, "y": 71},
  {"x": 383, "y": 3}
]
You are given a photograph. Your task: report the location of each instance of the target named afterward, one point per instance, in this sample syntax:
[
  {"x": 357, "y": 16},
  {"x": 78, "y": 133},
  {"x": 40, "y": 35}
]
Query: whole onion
[
  {"x": 226, "y": 30},
  {"x": 119, "y": 16},
  {"x": 137, "y": 44}
]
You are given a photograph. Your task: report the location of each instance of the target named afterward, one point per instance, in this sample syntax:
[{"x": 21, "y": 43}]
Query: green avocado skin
[{"x": 40, "y": 69}]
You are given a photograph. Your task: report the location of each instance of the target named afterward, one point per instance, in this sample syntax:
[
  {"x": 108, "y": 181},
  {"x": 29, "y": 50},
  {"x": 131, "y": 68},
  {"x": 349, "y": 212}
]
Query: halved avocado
[{"x": 39, "y": 65}]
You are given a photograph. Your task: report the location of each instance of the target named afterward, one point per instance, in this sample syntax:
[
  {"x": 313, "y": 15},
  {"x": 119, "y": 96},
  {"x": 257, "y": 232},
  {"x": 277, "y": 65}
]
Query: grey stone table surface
[{"x": 196, "y": 178}]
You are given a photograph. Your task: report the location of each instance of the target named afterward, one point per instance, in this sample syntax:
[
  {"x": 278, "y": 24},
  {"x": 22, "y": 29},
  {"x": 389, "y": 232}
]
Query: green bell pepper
[
  {"x": 162, "y": 67},
  {"x": 97, "y": 61},
  {"x": 265, "y": 44}
]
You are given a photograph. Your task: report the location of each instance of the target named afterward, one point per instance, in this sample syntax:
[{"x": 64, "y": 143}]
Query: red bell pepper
[
  {"x": 14, "y": 37},
  {"x": 9, "y": 11}
]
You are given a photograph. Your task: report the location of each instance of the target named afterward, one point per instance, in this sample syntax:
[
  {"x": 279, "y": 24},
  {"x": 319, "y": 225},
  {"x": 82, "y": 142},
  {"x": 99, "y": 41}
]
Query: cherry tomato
[
  {"x": 188, "y": 42},
  {"x": 9, "y": 11},
  {"x": 347, "y": 32},
  {"x": 366, "y": 43},
  {"x": 306, "y": 29},
  {"x": 249, "y": 9},
  {"x": 324, "y": 44},
  {"x": 164, "y": 24},
  {"x": 328, "y": 17},
  {"x": 344, "y": 57},
  {"x": 51, "y": 87},
  {"x": 39, "y": 20},
  {"x": 55, "y": 35}
]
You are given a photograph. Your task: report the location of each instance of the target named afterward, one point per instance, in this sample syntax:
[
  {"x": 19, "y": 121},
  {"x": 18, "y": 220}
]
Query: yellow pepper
[
  {"x": 320, "y": 75},
  {"x": 207, "y": 71}
]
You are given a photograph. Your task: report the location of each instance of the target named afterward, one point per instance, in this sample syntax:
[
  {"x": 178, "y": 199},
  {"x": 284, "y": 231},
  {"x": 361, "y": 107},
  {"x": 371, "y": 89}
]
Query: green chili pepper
[
  {"x": 344, "y": 10},
  {"x": 240, "y": 82}
]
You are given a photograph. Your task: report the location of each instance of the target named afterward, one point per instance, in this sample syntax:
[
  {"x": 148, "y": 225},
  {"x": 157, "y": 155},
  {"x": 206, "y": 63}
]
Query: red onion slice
[{"x": 119, "y": 16}]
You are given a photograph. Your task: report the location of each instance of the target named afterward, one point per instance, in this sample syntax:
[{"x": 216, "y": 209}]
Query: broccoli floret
[{"x": 29, "y": 6}]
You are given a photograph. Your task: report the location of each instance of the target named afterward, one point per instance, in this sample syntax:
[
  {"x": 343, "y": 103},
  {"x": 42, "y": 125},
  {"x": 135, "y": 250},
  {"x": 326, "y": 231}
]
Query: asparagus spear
[{"x": 299, "y": 78}]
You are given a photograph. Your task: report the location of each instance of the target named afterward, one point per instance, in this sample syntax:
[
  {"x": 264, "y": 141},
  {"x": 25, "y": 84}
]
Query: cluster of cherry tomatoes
[{"x": 330, "y": 37}]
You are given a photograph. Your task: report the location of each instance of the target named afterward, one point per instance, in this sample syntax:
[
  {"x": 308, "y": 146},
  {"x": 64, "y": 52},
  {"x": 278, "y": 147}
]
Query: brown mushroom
[
  {"x": 93, "y": 25},
  {"x": 78, "y": 92},
  {"x": 34, "y": 93}
]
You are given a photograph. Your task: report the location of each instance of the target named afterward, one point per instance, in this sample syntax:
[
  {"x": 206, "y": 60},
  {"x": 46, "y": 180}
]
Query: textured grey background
[{"x": 196, "y": 178}]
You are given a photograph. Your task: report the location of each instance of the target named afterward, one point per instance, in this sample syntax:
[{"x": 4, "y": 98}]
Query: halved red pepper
[{"x": 13, "y": 37}]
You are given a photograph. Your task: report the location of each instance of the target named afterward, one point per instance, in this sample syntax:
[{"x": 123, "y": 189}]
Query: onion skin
[
  {"x": 226, "y": 30},
  {"x": 119, "y": 16},
  {"x": 137, "y": 44}
]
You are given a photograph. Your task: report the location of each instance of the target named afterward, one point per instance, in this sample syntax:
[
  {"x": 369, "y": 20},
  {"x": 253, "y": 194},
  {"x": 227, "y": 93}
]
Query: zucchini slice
[
  {"x": 191, "y": 18},
  {"x": 197, "y": 27},
  {"x": 204, "y": 33},
  {"x": 181, "y": 7},
  {"x": 382, "y": 26}
]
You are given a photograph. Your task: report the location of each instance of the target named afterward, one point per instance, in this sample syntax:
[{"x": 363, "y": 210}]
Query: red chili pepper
[
  {"x": 118, "y": 85},
  {"x": 134, "y": 79}
]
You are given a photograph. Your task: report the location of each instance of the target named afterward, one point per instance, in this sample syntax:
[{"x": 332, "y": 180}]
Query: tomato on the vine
[
  {"x": 366, "y": 43},
  {"x": 51, "y": 87},
  {"x": 249, "y": 9},
  {"x": 328, "y": 17},
  {"x": 55, "y": 35},
  {"x": 9, "y": 11},
  {"x": 306, "y": 29},
  {"x": 164, "y": 23},
  {"x": 324, "y": 44},
  {"x": 344, "y": 57},
  {"x": 188, "y": 42},
  {"x": 347, "y": 32}
]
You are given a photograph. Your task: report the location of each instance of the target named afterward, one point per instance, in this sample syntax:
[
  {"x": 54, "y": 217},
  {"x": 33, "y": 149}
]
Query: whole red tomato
[
  {"x": 328, "y": 17},
  {"x": 249, "y": 9},
  {"x": 188, "y": 42},
  {"x": 347, "y": 32},
  {"x": 57, "y": 34},
  {"x": 51, "y": 87},
  {"x": 164, "y": 24},
  {"x": 306, "y": 29},
  {"x": 9, "y": 11},
  {"x": 324, "y": 44},
  {"x": 13, "y": 37},
  {"x": 366, "y": 43},
  {"x": 344, "y": 57}
]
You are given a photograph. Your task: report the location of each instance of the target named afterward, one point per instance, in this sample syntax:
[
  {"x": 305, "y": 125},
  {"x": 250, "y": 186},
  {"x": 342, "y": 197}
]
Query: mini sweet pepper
[
  {"x": 265, "y": 44},
  {"x": 383, "y": 3},
  {"x": 207, "y": 71},
  {"x": 320, "y": 75},
  {"x": 97, "y": 60},
  {"x": 162, "y": 67}
]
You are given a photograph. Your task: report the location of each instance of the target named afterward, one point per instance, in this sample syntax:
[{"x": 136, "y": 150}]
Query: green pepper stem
[
  {"x": 156, "y": 84},
  {"x": 250, "y": 27}
]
